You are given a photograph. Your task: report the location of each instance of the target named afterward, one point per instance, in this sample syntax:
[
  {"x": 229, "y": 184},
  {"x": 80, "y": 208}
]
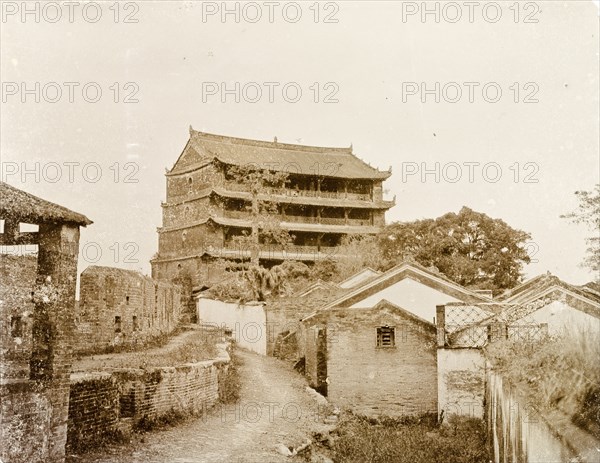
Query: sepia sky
[{"x": 516, "y": 160}]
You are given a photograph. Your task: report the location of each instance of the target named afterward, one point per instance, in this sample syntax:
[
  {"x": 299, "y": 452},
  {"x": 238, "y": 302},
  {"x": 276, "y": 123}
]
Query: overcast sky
[{"x": 369, "y": 60}]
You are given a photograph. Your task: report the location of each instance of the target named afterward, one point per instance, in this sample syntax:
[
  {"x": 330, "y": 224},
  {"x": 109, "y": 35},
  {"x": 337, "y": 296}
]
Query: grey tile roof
[
  {"x": 24, "y": 207},
  {"x": 309, "y": 160}
]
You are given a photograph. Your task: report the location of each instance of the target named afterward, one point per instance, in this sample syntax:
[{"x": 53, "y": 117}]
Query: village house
[
  {"x": 378, "y": 361},
  {"x": 37, "y": 328},
  {"x": 411, "y": 286},
  {"x": 329, "y": 193},
  {"x": 413, "y": 290},
  {"x": 560, "y": 305}
]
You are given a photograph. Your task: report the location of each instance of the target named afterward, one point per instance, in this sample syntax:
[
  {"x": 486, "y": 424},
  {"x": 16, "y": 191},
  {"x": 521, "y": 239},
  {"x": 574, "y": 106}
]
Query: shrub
[
  {"x": 230, "y": 380},
  {"x": 171, "y": 418},
  {"x": 561, "y": 372},
  {"x": 410, "y": 440}
]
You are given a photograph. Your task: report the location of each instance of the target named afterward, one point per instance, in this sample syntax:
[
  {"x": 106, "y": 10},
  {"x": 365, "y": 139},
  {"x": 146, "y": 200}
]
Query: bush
[
  {"x": 561, "y": 372},
  {"x": 171, "y": 418},
  {"x": 230, "y": 380},
  {"x": 410, "y": 440}
]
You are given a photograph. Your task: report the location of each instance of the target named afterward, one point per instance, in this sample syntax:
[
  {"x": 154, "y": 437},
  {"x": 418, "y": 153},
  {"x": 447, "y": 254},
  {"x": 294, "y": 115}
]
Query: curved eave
[
  {"x": 376, "y": 175},
  {"x": 189, "y": 169},
  {"x": 307, "y": 227}
]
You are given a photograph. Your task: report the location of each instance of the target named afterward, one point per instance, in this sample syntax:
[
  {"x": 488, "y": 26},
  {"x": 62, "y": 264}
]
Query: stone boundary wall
[
  {"x": 105, "y": 403},
  {"x": 123, "y": 307},
  {"x": 519, "y": 432},
  {"x": 461, "y": 382}
]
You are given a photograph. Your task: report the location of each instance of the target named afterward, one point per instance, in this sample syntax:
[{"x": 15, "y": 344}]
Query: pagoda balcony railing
[
  {"x": 243, "y": 215},
  {"x": 236, "y": 215},
  {"x": 289, "y": 249},
  {"x": 292, "y": 192}
]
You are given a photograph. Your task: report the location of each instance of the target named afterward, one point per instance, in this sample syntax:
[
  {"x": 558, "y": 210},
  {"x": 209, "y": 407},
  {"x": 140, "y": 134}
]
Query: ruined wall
[
  {"x": 380, "y": 381},
  {"x": 93, "y": 408},
  {"x": 25, "y": 423},
  {"x": 104, "y": 403},
  {"x": 122, "y": 307}
]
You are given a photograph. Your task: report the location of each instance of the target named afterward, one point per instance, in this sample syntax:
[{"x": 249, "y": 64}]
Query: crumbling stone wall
[
  {"x": 102, "y": 404},
  {"x": 123, "y": 307}
]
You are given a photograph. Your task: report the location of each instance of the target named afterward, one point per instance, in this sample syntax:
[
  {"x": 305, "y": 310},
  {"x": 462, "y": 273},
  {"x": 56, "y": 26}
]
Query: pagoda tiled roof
[{"x": 301, "y": 159}]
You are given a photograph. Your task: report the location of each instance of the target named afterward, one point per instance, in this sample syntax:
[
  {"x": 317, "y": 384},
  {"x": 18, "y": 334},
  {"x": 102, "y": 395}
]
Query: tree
[
  {"x": 354, "y": 254},
  {"x": 588, "y": 214},
  {"x": 470, "y": 248}
]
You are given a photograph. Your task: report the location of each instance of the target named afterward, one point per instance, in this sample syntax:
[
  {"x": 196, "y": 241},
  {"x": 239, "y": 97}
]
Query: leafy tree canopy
[
  {"x": 588, "y": 214},
  {"x": 470, "y": 248}
]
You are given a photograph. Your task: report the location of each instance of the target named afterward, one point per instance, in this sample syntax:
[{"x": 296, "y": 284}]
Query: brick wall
[
  {"x": 34, "y": 398},
  {"x": 377, "y": 381},
  {"x": 103, "y": 403},
  {"x": 17, "y": 274},
  {"x": 284, "y": 315},
  {"x": 25, "y": 425},
  {"x": 191, "y": 183},
  {"x": 120, "y": 306},
  {"x": 93, "y": 408}
]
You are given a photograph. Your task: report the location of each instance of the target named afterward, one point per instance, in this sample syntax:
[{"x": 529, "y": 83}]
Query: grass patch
[
  {"x": 171, "y": 418},
  {"x": 83, "y": 444},
  {"x": 153, "y": 342},
  {"x": 230, "y": 379},
  {"x": 410, "y": 440},
  {"x": 198, "y": 345},
  {"x": 562, "y": 372}
]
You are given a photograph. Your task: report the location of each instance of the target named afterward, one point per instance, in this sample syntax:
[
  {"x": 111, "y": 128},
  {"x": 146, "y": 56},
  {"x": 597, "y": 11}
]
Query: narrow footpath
[{"x": 274, "y": 411}]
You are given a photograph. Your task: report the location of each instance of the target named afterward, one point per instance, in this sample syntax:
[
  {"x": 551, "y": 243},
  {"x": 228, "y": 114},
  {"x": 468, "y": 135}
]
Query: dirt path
[
  {"x": 275, "y": 408},
  {"x": 102, "y": 362}
]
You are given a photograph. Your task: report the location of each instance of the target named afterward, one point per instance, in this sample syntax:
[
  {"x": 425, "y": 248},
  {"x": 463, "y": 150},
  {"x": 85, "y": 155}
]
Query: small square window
[
  {"x": 16, "y": 326},
  {"x": 386, "y": 336}
]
